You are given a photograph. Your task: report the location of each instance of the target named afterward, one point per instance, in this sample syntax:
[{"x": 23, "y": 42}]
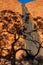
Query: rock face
[
  {"x": 35, "y": 8},
  {"x": 10, "y": 25},
  {"x": 11, "y": 5},
  {"x": 32, "y": 14}
]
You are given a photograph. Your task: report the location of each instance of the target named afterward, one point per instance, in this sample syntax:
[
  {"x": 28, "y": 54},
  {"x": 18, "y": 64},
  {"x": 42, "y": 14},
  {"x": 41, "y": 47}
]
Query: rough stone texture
[{"x": 34, "y": 8}]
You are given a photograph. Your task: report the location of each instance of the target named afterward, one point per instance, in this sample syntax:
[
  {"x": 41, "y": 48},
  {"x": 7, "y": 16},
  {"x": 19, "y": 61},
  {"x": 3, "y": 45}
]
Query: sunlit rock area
[{"x": 21, "y": 33}]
